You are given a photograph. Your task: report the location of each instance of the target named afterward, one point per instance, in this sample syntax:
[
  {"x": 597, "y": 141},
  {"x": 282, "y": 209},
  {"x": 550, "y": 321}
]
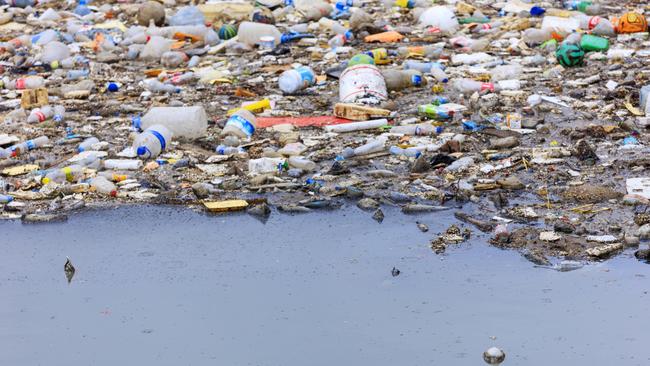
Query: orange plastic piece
[
  {"x": 184, "y": 36},
  {"x": 386, "y": 37},
  {"x": 631, "y": 23}
]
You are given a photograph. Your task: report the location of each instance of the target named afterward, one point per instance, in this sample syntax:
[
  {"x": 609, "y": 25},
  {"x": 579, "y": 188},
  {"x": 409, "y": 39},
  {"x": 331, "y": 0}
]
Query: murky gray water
[{"x": 163, "y": 286}]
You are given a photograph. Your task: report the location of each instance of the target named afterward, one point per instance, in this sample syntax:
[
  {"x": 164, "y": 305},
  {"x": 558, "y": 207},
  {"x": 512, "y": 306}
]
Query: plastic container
[
  {"x": 155, "y": 48},
  {"x": 401, "y": 79},
  {"x": 423, "y": 67},
  {"x": 430, "y": 52},
  {"x": 410, "y": 152},
  {"x": 439, "y": 74},
  {"x": 362, "y": 82},
  {"x": 59, "y": 113},
  {"x": 466, "y": 86},
  {"x": 40, "y": 114},
  {"x": 184, "y": 122},
  {"x": 153, "y": 141},
  {"x": 182, "y": 79},
  {"x": 534, "y": 36},
  {"x": 372, "y": 146},
  {"x": 20, "y": 3},
  {"x": 560, "y": 25},
  {"x": 103, "y": 186},
  {"x": 77, "y": 74},
  {"x": 23, "y": 147},
  {"x": 55, "y": 51},
  {"x": 31, "y": 82},
  {"x": 70, "y": 174},
  {"x": 229, "y": 150},
  {"x": 82, "y": 8},
  {"x": 250, "y": 33},
  {"x": 644, "y": 100},
  {"x": 379, "y": 55},
  {"x": 302, "y": 163},
  {"x": 334, "y": 26},
  {"x": 265, "y": 166},
  {"x": 313, "y": 9},
  {"x": 421, "y": 129},
  {"x": 123, "y": 164},
  {"x": 241, "y": 124},
  {"x": 87, "y": 144},
  {"x": 156, "y": 86},
  {"x": 440, "y": 17},
  {"x": 594, "y": 43},
  {"x": 357, "y": 126},
  {"x": 113, "y": 176},
  {"x": 505, "y": 72},
  {"x": 297, "y": 79}
]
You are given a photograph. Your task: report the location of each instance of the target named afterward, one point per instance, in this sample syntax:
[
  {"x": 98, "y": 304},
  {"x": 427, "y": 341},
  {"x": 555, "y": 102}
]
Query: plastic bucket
[{"x": 362, "y": 82}]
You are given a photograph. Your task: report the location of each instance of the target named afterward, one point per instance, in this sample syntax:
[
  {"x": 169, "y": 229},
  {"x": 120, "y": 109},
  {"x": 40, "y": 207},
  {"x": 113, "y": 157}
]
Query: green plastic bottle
[{"x": 594, "y": 43}]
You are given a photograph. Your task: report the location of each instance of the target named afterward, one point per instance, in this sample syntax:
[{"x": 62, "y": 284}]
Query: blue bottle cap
[
  {"x": 142, "y": 150},
  {"x": 112, "y": 87}
]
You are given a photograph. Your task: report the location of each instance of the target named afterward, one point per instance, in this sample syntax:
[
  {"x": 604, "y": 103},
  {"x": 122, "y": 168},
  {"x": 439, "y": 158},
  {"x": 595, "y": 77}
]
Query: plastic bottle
[
  {"x": 77, "y": 74},
  {"x": 297, "y": 79},
  {"x": 560, "y": 25},
  {"x": 601, "y": 27},
  {"x": 302, "y": 163},
  {"x": 113, "y": 176},
  {"x": 55, "y": 51},
  {"x": 379, "y": 55},
  {"x": 184, "y": 122},
  {"x": 241, "y": 124},
  {"x": 410, "y": 152},
  {"x": 372, "y": 146},
  {"x": 173, "y": 59},
  {"x": 20, "y": 3},
  {"x": 156, "y": 86},
  {"x": 228, "y": 150},
  {"x": 644, "y": 100},
  {"x": 123, "y": 164},
  {"x": 187, "y": 15},
  {"x": 23, "y": 147},
  {"x": 250, "y": 33},
  {"x": 31, "y": 82},
  {"x": 152, "y": 141},
  {"x": 470, "y": 86},
  {"x": 440, "y": 17},
  {"x": 505, "y": 72},
  {"x": 423, "y": 67},
  {"x": 410, "y": 4},
  {"x": 69, "y": 62},
  {"x": 182, "y": 79},
  {"x": 334, "y": 26},
  {"x": 534, "y": 36},
  {"x": 40, "y": 114},
  {"x": 422, "y": 129},
  {"x": 313, "y": 9},
  {"x": 5, "y": 198},
  {"x": 103, "y": 186},
  {"x": 337, "y": 41},
  {"x": 586, "y": 7},
  {"x": 430, "y": 52},
  {"x": 69, "y": 174},
  {"x": 435, "y": 112},
  {"x": 87, "y": 144},
  {"x": 155, "y": 48},
  {"x": 401, "y": 79},
  {"x": 82, "y": 8},
  {"x": 265, "y": 165},
  {"x": 439, "y": 74}
]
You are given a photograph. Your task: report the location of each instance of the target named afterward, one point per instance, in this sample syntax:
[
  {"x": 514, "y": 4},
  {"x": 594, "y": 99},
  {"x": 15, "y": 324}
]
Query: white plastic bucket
[{"x": 361, "y": 82}]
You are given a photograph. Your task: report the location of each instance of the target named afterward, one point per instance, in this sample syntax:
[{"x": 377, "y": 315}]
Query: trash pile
[{"x": 526, "y": 118}]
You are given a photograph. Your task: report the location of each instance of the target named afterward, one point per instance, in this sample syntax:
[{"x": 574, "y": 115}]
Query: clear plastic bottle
[
  {"x": 87, "y": 144},
  {"x": 20, "y": 3},
  {"x": 466, "y": 86},
  {"x": 410, "y": 152},
  {"x": 103, "y": 186},
  {"x": 55, "y": 51},
  {"x": 372, "y": 146},
  {"x": 251, "y": 32},
  {"x": 182, "y": 79},
  {"x": 265, "y": 165},
  {"x": 421, "y": 129},
  {"x": 31, "y": 82},
  {"x": 41, "y": 114},
  {"x": 334, "y": 26},
  {"x": 228, "y": 150},
  {"x": 113, "y": 176},
  {"x": 77, "y": 74},
  {"x": 184, "y": 122},
  {"x": 153, "y": 141},
  {"x": 297, "y": 79},
  {"x": 534, "y": 36},
  {"x": 241, "y": 124},
  {"x": 173, "y": 59},
  {"x": 313, "y": 9},
  {"x": 302, "y": 163},
  {"x": 187, "y": 15},
  {"x": 506, "y": 72},
  {"x": 70, "y": 174},
  {"x": 155, "y": 48},
  {"x": 70, "y": 62},
  {"x": 156, "y": 86},
  {"x": 123, "y": 164},
  {"x": 423, "y": 67},
  {"x": 401, "y": 79},
  {"x": 23, "y": 147},
  {"x": 439, "y": 74},
  {"x": 430, "y": 52},
  {"x": 82, "y": 8}
]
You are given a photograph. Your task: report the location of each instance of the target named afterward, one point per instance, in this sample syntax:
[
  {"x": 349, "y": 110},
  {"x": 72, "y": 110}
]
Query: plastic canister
[
  {"x": 240, "y": 124},
  {"x": 594, "y": 43},
  {"x": 360, "y": 82}
]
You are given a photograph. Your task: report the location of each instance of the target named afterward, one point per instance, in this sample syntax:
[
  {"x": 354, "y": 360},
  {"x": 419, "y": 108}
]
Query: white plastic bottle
[
  {"x": 184, "y": 122},
  {"x": 470, "y": 86},
  {"x": 439, "y": 74},
  {"x": 113, "y": 176},
  {"x": 333, "y": 25},
  {"x": 123, "y": 164},
  {"x": 173, "y": 58},
  {"x": 264, "y": 165},
  {"x": 156, "y": 86},
  {"x": 103, "y": 186},
  {"x": 152, "y": 141},
  {"x": 297, "y": 79},
  {"x": 372, "y": 146},
  {"x": 87, "y": 144},
  {"x": 228, "y": 150},
  {"x": 241, "y": 124},
  {"x": 31, "y": 82},
  {"x": 421, "y": 129},
  {"x": 313, "y": 9},
  {"x": 55, "y": 51},
  {"x": 302, "y": 163},
  {"x": 40, "y": 114}
]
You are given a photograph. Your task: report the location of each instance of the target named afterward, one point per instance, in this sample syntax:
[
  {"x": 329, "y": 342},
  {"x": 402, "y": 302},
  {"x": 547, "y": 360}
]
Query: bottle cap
[
  {"x": 112, "y": 87},
  {"x": 142, "y": 150}
]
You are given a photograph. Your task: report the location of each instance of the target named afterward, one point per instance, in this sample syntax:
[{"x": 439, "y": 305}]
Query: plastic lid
[{"x": 142, "y": 150}]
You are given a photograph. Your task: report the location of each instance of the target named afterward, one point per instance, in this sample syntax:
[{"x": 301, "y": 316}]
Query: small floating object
[
  {"x": 494, "y": 356},
  {"x": 225, "y": 206},
  {"x": 69, "y": 270}
]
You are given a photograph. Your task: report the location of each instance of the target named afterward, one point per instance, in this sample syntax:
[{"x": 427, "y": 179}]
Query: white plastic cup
[{"x": 362, "y": 81}]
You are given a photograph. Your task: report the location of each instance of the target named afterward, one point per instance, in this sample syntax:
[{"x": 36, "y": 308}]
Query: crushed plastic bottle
[{"x": 154, "y": 140}]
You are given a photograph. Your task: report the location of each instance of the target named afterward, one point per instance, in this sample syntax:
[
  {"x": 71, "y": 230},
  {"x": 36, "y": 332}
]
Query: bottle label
[
  {"x": 593, "y": 21},
  {"x": 68, "y": 174},
  {"x": 380, "y": 55},
  {"x": 20, "y": 84},
  {"x": 416, "y": 80},
  {"x": 486, "y": 26},
  {"x": 30, "y": 144},
  {"x": 40, "y": 115},
  {"x": 306, "y": 75},
  {"x": 160, "y": 138},
  {"x": 487, "y": 86},
  {"x": 242, "y": 124}
]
